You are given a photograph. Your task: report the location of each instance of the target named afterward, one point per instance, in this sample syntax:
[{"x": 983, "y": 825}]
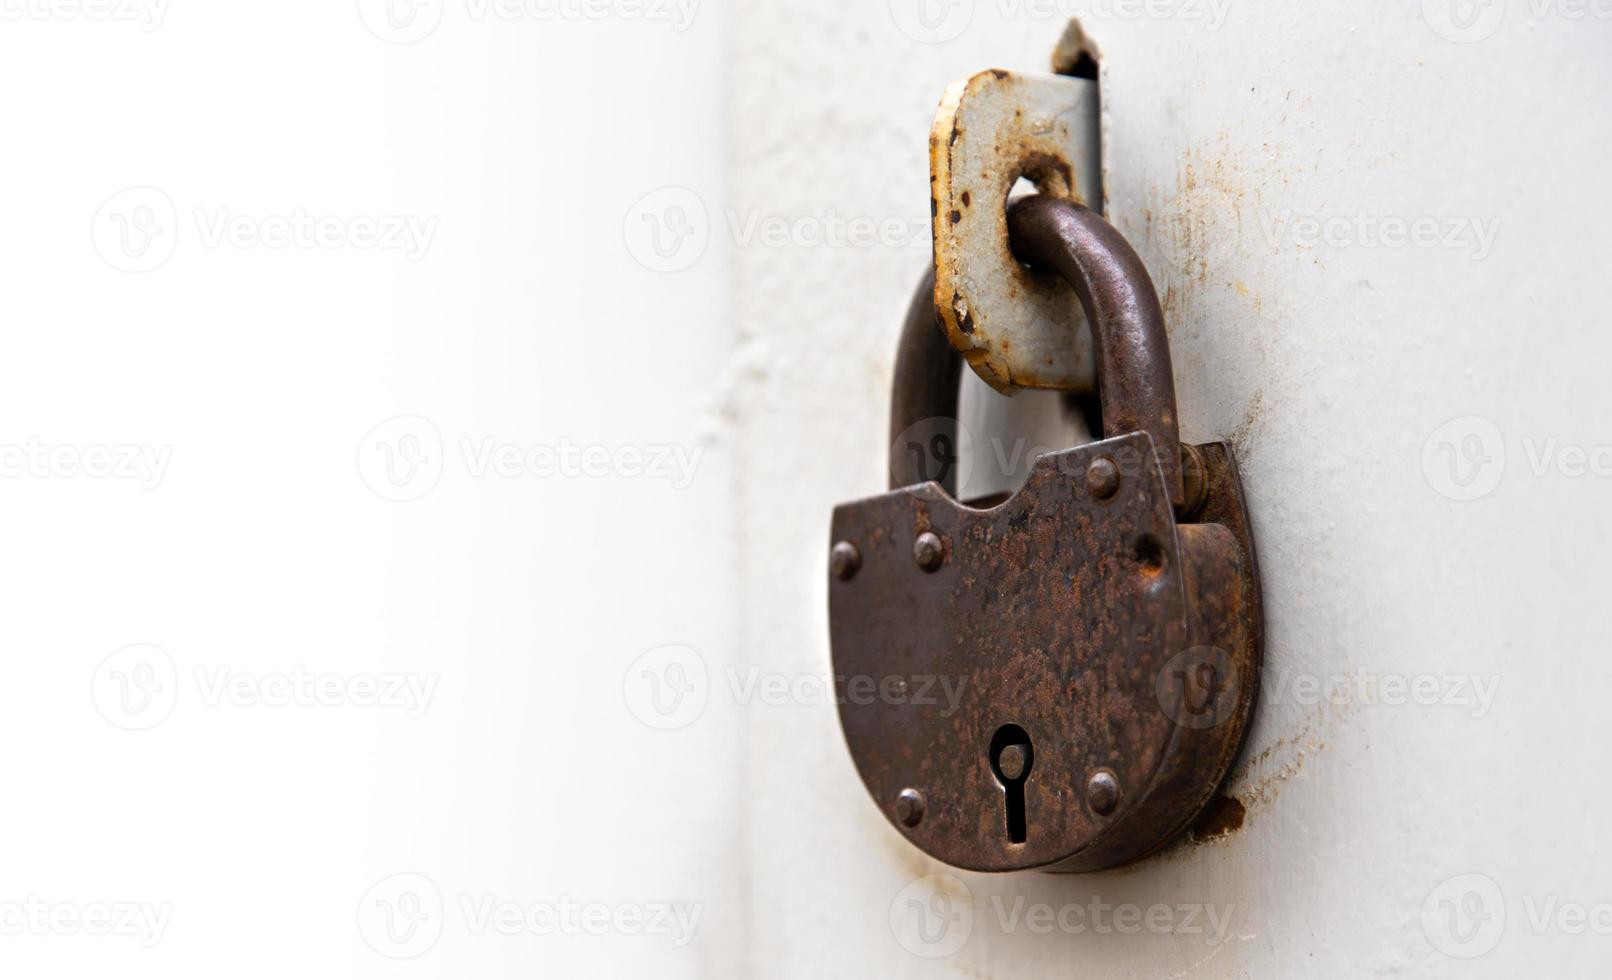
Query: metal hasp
[
  {"x": 1100, "y": 631},
  {"x": 1017, "y": 330}
]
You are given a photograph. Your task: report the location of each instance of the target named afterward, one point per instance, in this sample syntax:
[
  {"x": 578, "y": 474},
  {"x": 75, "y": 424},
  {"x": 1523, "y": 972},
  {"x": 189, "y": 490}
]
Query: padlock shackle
[
  {"x": 928, "y": 371},
  {"x": 1134, "y": 377},
  {"x": 1135, "y": 382}
]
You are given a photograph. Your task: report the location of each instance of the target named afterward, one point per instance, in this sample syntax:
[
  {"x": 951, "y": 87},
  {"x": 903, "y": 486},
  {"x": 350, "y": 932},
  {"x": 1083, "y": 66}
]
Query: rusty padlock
[{"x": 1098, "y": 633}]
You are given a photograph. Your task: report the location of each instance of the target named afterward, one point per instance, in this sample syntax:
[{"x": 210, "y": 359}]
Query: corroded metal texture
[
  {"x": 1101, "y": 629},
  {"x": 1137, "y": 386},
  {"x": 1098, "y": 634},
  {"x": 925, "y": 388},
  {"x": 1076, "y": 53},
  {"x": 1015, "y": 329},
  {"x": 1075, "y": 246}
]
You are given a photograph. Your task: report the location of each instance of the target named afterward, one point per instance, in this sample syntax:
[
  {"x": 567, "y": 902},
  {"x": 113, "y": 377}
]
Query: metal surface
[
  {"x": 1102, "y": 792},
  {"x": 1016, "y": 330},
  {"x": 1106, "y": 656},
  {"x": 844, "y": 560},
  {"x": 924, "y": 392},
  {"x": 1076, "y": 53},
  {"x": 909, "y": 807},
  {"x": 928, "y": 552},
  {"x": 1137, "y": 386},
  {"x": 1062, "y": 615},
  {"x": 1102, "y": 478},
  {"x": 1103, "y": 275}
]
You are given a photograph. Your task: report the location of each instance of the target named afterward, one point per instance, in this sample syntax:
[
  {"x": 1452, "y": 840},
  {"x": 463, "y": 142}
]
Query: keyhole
[{"x": 1011, "y": 759}]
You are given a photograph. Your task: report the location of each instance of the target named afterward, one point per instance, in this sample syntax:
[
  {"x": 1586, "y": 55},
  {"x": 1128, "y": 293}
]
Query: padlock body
[{"x": 1120, "y": 646}]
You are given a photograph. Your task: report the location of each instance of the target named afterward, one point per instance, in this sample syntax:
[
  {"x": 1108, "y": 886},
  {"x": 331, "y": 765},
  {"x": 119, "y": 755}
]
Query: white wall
[
  {"x": 525, "y": 777},
  {"x": 1332, "y": 365}
]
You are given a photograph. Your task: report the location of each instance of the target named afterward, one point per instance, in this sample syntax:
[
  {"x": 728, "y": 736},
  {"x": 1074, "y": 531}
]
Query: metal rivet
[
  {"x": 909, "y": 807},
  {"x": 1102, "y": 792},
  {"x": 845, "y": 559},
  {"x": 928, "y": 552},
  {"x": 1102, "y": 478}
]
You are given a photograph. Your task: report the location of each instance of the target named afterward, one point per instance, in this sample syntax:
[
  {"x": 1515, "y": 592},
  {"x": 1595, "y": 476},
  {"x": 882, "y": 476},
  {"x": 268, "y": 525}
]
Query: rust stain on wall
[
  {"x": 1201, "y": 233},
  {"x": 1224, "y": 816},
  {"x": 1243, "y": 436}
]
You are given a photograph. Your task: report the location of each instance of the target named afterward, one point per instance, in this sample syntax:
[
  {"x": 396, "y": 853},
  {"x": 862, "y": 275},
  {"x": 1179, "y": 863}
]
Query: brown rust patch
[
  {"x": 1051, "y": 175},
  {"x": 1018, "y": 125},
  {"x": 1200, "y": 234},
  {"x": 1076, "y": 54},
  {"x": 1035, "y": 604},
  {"x": 1224, "y": 816},
  {"x": 965, "y": 318},
  {"x": 1243, "y": 436},
  {"x": 1262, "y": 777}
]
